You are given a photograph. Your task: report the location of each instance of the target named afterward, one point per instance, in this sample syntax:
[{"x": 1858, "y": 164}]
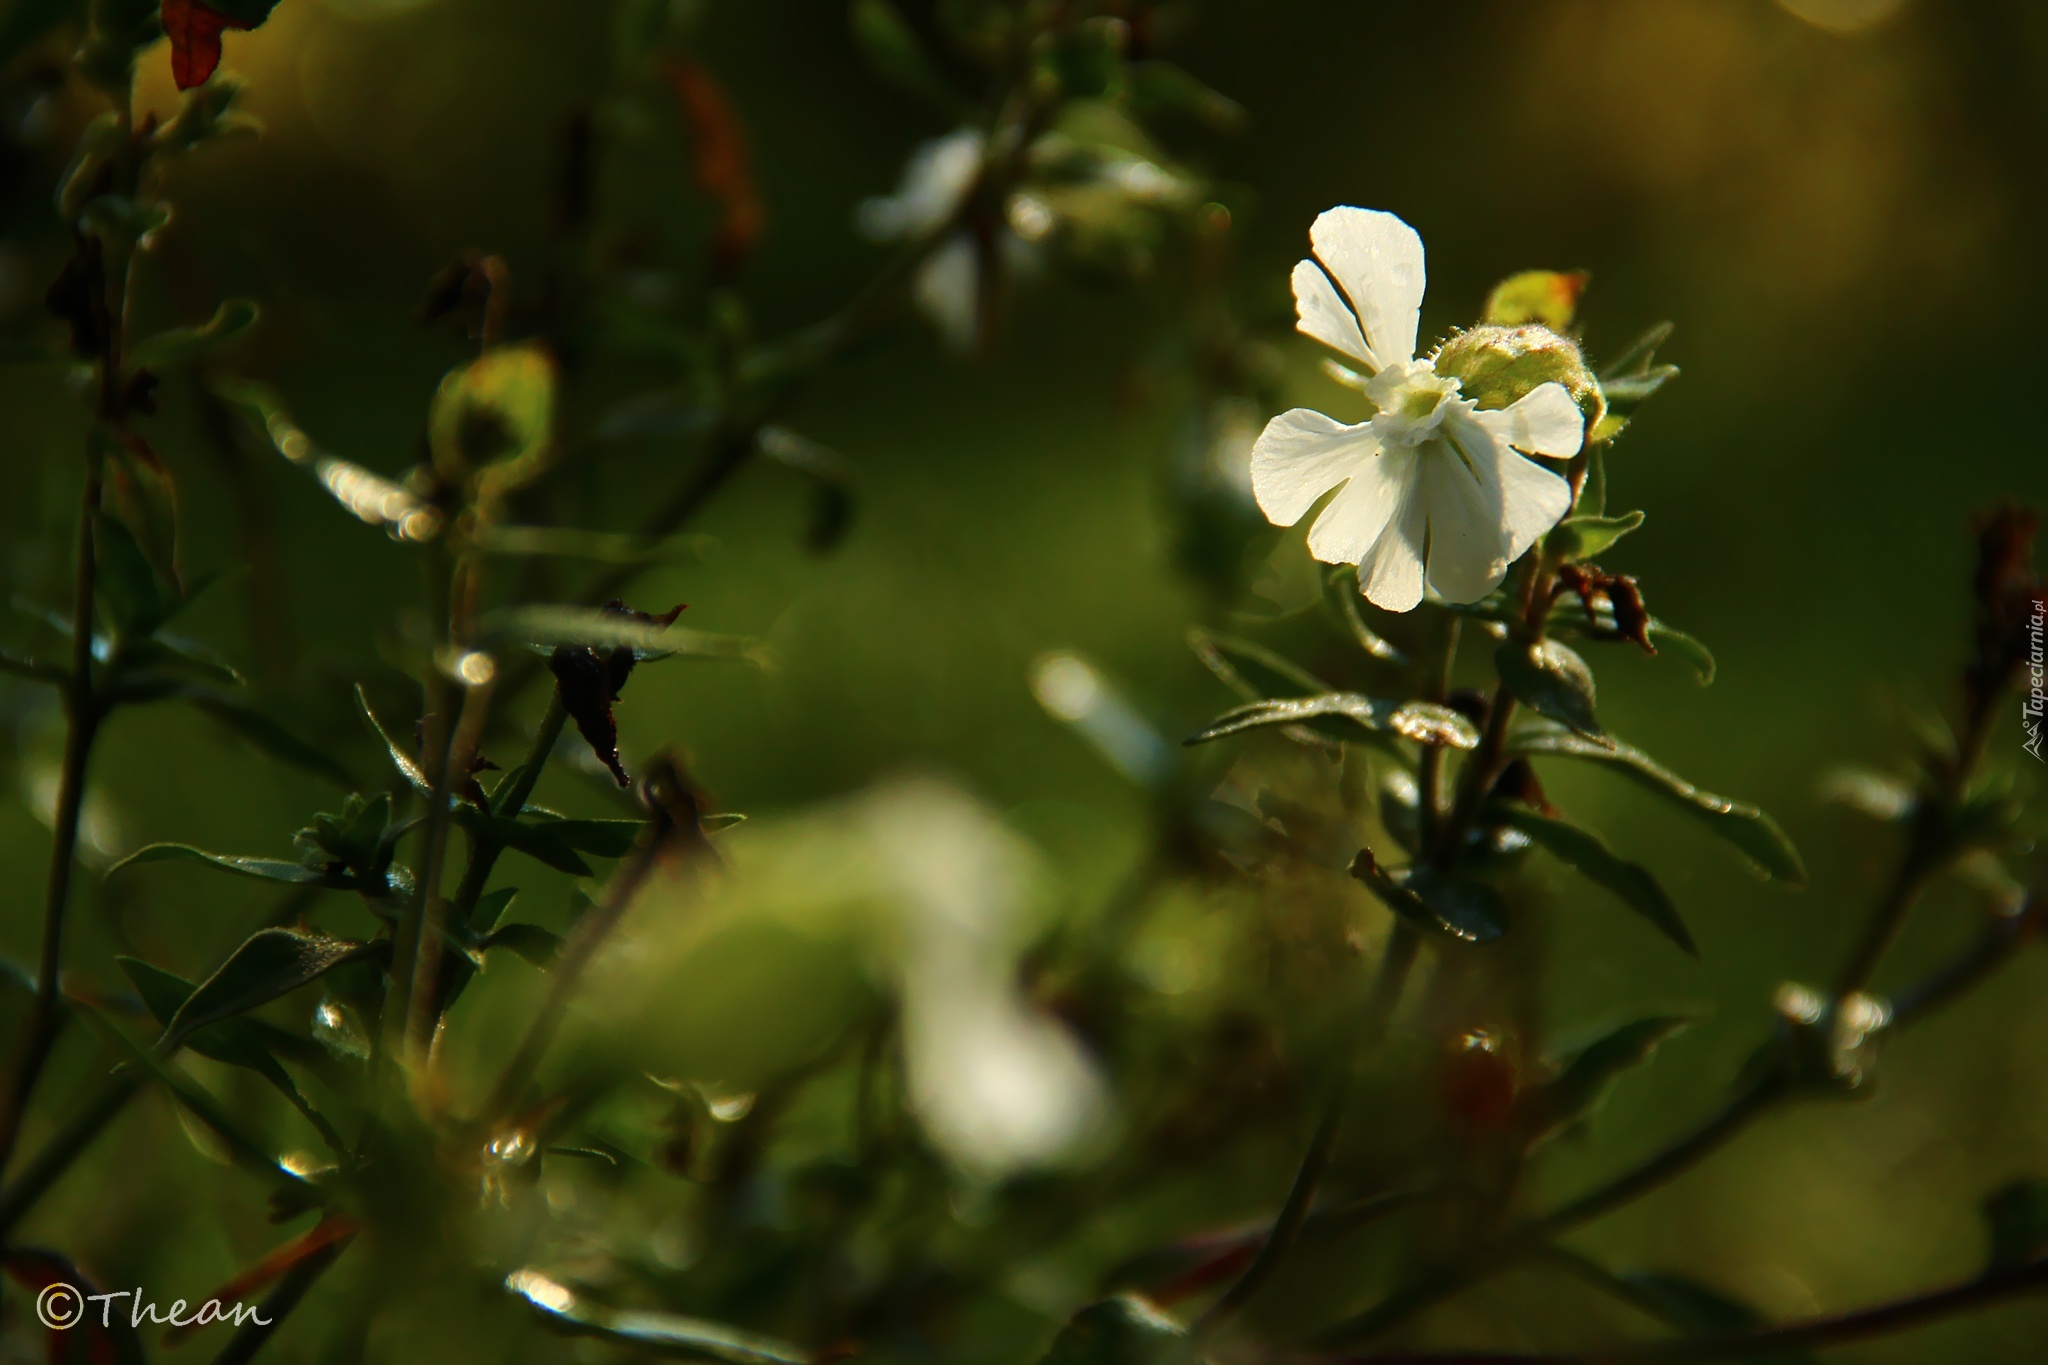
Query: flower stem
[
  {"x": 82, "y": 708},
  {"x": 1378, "y": 1012}
]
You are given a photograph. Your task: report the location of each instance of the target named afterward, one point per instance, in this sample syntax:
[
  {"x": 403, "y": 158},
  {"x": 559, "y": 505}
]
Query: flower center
[{"x": 1412, "y": 399}]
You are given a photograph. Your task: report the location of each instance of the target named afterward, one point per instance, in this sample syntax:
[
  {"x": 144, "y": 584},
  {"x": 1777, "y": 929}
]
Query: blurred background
[{"x": 1838, "y": 202}]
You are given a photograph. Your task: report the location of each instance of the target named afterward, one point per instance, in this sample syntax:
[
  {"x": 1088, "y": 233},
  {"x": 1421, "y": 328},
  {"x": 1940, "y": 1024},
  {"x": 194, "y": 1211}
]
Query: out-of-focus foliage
[{"x": 920, "y": 348}]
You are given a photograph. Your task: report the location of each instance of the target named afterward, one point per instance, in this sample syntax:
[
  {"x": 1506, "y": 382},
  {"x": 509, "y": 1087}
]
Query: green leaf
[
  {"x": 1640, "y": 353},
  {"x": 1340, "y": 590},
  {"x": 1442, "y": 902},
  {"x": 535, "y": 841},
  {"x": 408, "y": 767},
  {"x": 1251, "y": 670},
  {"x": 1588, "y": 536},
  {"x": 1626, "y": 393},
  {"x": 600, "y": 838},
  {"x": 1587, "y": 854},
  {"x": 230, "y": 1041},
  {"x": 1588, "y": 1073},
  {"x": 1348, "y": 716},
  {"x": 134, "y": 600},
  {"x": 1663, "y": 637},
  {"x": 1125, "y": 1330},
  {"x": 179, "y": 344},
  {"x": 537, "y": 945},
  {"x": 270, "y": 737},
  {"x": 2016, "y": 1217},
  {"x": 668, "y": 1334},
  {"x": 1693, "y": 1308},
  {"x": 494, "y": 418},
  {"x": 1551, "y": 680},
  {"x": 893, "y": 49},
  {"x": 1741, "y": 824},
  {"x": 241, "y": 1147},
  {"x": 1158, "y": 87},
  {"x": 270, "y": 963},
  {"x": 546, "y": 627},
  {"x": 491, "y": 907},
  {"x": 264, "y": 869},
  {"x": 1550, "y": 297}
]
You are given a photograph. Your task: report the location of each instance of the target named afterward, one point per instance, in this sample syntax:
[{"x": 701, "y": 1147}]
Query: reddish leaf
[{"x": 194, "y": 31}]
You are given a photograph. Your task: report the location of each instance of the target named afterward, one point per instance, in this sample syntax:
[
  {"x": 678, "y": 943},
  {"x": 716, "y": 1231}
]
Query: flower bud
[{"x": 1495, "y": 366}]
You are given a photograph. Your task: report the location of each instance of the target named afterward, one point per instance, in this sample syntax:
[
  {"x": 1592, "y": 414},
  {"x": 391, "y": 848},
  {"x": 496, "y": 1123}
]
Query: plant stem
[
  {"x": 62, "y": 1150},
  {"x": 1378, "y": 1012},
  {"x": 580, "y": 945},
  {"x": 1429, "y": 768},
  {"x": 1899, "y": 1315},
  {"x": 507, "y": 802},
  {"x": 82, "y": 714},
  {"x": 278, "y": 1304}
]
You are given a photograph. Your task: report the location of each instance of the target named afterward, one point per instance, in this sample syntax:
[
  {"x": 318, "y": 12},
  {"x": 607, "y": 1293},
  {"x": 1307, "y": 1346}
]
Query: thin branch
[
  {"x": 63, "y": 1149},
  {"x": 278, "y": 1304},
  {"x": 1387, "y": 985},
  {"x": 82, "y": 711}
]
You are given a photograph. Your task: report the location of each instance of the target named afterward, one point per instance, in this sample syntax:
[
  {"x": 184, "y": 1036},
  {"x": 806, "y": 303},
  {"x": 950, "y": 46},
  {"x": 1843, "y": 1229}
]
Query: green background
[{"x": 1846, "y": 228}]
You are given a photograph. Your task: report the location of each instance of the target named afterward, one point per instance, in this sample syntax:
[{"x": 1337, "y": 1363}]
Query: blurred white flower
[
  {"x": 1434, "y": 488},
  {"x": 998, "y": 1084}
]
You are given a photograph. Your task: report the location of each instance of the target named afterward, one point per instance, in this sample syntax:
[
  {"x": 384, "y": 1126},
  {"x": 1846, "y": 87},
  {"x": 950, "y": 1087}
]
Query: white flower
[
  {"x": 998, "y": 1084},
  {"x": 1434, "y": 489}
]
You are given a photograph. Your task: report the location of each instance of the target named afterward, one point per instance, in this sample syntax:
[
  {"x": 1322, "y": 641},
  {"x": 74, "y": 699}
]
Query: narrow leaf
[
  {"x": 537, "y": 945},
  {"x": 1587, "y": 854},
  {"x": 1551, "y": 680},
  {"x": 1588, "y": 537},
  {"x": 668, "y": 1334},
  {"x": 1741, "y": 824},
  {"x": 1441, "y": 902},
  {"x": 1251, "y": 670},
  {"x": 266, "y": 734},
  {"x": 600, "y": 838},
  {"x": 535, "y": 841},
  {"x": 408, "y": 767},
  {"x": 1348, "y": 716},
  {"x": 265, "y": 869},
  {"x": 270, "y": 963},
  {"x": 1695, "y": 1309},
  {"x": 229, "y": 321},
  {"x": 1587, "y": 1074}
]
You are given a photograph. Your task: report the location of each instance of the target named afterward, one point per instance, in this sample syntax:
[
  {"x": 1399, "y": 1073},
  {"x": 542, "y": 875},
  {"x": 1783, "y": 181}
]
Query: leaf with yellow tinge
[
  {"x": 1550, "y": 297},
  {"x": 492, "y": 418}
]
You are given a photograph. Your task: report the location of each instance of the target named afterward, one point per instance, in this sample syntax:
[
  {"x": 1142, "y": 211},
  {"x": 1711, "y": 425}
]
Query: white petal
[
  {"x": 1377, "y": 259},
  {"x": 1357, "y": 517},
  {"x": 1320, "y": 312},
  {"x": 1302, "y": 455},
  {"x": 1391, "y": 575},
  {"x": 1544, "y": 421},
  {"x": 948, "y": 291},
  {"x": 1487, "y": 506}
]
